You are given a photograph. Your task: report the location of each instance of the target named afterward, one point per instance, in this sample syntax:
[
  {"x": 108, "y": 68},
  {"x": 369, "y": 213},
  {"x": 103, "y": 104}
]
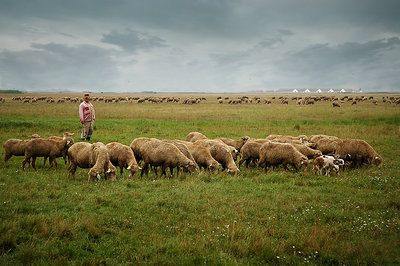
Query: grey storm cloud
[
  {"x": 131, "y": 40},
  {"x": 200, "y": 45}
]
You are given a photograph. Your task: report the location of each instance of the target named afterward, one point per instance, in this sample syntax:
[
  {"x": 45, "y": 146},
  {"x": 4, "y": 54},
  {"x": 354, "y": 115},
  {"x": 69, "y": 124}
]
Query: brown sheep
[
  {"x": 307, "y": 151},
  {"x": 194, "y": 136},
  {"x": 65, "y": 152},
  {"x": 360, "y": 151},
  {"x": 158, "y": 153},
  {"x": 326, "y": 145},
  {"x": 335, "y": 104},
  {"x": 287, "y": 139},
  {"x": 184, "y": 149},
  {"x": 202, "y": 156},
  {"x": 122, "y": 156},
  {"x": 315, "y": 138},
  {"x": 94, "y": 156},
  {"x": 45, "y": 147},
  {"x": 135, "y": 146},
  {"x": 237, "y": 144},
  {"x": 273, "y": 154},
  {"x": 15, "y": 147},
  {"x": 221, "y": 153},
  {"x": 250, "y": 152}
]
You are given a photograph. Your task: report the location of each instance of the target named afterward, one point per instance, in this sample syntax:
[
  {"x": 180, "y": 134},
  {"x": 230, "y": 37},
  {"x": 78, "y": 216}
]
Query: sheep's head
[
  {"x": 213, "y": 167},
  {"x": 111, "y": 172},
  {"x": 303, "y": 163},
  {"x": 190, "y": 167},
  {"x": 133, "y": 169},
  {"x": 378, "y": 161},
  {"x": 233, "y": 171},
  {"x": 317, "y": 154}
]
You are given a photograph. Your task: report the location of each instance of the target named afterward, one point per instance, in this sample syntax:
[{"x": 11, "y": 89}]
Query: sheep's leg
[
  {"x": 241, "y": 161},
  {"x": 55, "y": 162},
  {"x": 24, "y": 162},
  {"x": 7, "y": 157},
  {"x": 44, "y": 161},
  {"x": 34, "y": 162},
  {"x": 144, "y": 169},
  {"x": 71, "y": 170},
  {"x": 121, "y": 169}
]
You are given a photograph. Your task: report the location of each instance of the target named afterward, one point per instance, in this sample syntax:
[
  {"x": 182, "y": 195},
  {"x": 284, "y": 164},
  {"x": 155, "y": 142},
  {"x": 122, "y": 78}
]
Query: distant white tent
[
  {"x": 331, "y": 91},
  {"x": 295, "y": 90},
  {"x": 319, "y": 91},
  {"x": 342, "y": 90},
  {"x": 307, "y": 90}
]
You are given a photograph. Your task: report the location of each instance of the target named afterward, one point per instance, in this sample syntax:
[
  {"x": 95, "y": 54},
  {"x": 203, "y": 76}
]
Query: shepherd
[{"x": 87, "y": 117}]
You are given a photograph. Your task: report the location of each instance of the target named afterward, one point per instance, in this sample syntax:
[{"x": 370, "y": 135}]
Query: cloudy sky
[{"x": 199, "y": 45}]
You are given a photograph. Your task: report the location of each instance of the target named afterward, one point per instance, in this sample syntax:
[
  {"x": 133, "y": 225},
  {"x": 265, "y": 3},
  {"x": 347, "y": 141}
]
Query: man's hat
[{"x": 86, "y": 95}]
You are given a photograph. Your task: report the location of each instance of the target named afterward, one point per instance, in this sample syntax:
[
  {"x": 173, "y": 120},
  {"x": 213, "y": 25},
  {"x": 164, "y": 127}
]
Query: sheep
[
  {"x": 335, "y": 104},
  {"x": 194, "y": 136},
  {"x": 327, "y": 145},
  {"x": 15, "y": 147},
  {"x": 237, "y": 144},
  {"x": 307, "y": 151},
  {"x": 185, "y": 150},
  {"x": 135, "y": 146},
  {"x": 159, "y": 153},
  {"x": 65, "y": 152},
  {"x": 326, "y": 163},
  {"x": 221, "y": 153},
  {"x": 360, "y": 151},
  {"x": 250, "y": 152},
  {"x": 274, "y": 153},
  {"x": 45, "y": 147},
  {"x": 315, "y": 138},
  {"x": 202, "y": 156},
  {"x": 287, "y": 139},
  {"x": 94, "y": 156},
  {"x": 122, "y": 156}
]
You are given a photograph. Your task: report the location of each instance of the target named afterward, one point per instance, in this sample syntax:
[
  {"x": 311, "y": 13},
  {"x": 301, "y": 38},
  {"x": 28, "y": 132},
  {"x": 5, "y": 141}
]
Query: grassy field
[{"x": 281, "y": 217}]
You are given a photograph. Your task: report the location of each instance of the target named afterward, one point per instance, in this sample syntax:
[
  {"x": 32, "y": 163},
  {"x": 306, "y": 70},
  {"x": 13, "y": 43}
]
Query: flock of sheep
[{"x": 326, "y": 153}]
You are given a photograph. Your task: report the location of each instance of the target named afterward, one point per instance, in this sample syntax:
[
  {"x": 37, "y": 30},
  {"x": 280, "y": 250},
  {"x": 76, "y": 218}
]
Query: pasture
[{"x": 282, "y": 217}]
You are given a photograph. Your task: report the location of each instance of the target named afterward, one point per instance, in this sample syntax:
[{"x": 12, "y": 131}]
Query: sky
[{"x": 199, "y": 45}]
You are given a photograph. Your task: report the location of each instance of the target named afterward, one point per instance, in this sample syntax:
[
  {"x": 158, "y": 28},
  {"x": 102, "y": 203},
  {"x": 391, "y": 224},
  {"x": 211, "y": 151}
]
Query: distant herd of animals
[
  {"x": 196, "y": 152},
  {"x": 299, "y": 100}
]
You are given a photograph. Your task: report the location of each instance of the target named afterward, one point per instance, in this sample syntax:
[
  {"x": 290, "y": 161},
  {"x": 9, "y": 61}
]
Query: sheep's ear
[
  {"x": 229, "y": 170},
  {"x": 128, "y": 168},
  {"x": 68, "y": 142},
  {"x": 238, "y": 170},
  {"x": 140, "y": 168},
  {"x": 98, "y": 176},
  {"x": 108, "y": 171},
  {"x": 376, "y": 158},
  {"x": 210, "y": 165}
]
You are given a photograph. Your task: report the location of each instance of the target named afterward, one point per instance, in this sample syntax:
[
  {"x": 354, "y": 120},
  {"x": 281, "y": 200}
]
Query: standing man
[{"x": 87, "y": 117}]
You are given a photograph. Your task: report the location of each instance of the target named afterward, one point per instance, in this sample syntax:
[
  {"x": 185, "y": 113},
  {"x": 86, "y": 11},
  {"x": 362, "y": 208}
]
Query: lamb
[
  {"x": 122, "y": 156},
  {"x": 45, "y": 147},
  {"x": 237, "y": 144},
  {"x": 221, "y": 153},
  {"x": 202, "y": 156},
  {"x": 94, "y": 156},
  {"x": 194, "y": 136},
  {"x": 65, "y": 152},
  {"x": 15, "y": 147},
  {"x": 326, "y": 163},
  {"x": 158, "y": 153},
  {"x": 360, "y": 151},
  {"x": 273, "y": 153}
]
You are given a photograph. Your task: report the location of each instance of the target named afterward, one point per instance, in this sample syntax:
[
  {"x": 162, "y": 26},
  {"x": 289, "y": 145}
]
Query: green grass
[{"x": 251, "y": 218}]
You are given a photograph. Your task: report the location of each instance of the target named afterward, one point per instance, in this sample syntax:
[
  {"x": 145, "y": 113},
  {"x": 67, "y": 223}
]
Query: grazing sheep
[
  {"x": 250, "y": 152},
  {"x": 45, "y": 147},
  {"x": 326, "y": 163},
  {"x": 194, "y": 136},
  {"x": 237, "y": 144},
  {"x": 316, "y": 138},
  {"x": 65, "y": 152},
  {"x": 287, "y": 139},
  {"x": 335, "y": 104},
  {"x": 158, "y": 153},
  {"x": 135, "y": 146},
  {"x": 327, "y": 145},
  {"x": 359, "y": 150},
  {"x": 94, "y": 156},
  {"x": 122, "y": 156},
  {"x": 307, "y": 151},
  {"x": 274, "y": 153},
  {"x": 221, "y": 153},
  {"x": 202, "y": 156},
  {"x": 184, "y": 149}
]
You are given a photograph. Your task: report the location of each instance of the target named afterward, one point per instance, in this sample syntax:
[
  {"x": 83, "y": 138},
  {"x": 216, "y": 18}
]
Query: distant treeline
[{"x": 11, "y": 91}]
